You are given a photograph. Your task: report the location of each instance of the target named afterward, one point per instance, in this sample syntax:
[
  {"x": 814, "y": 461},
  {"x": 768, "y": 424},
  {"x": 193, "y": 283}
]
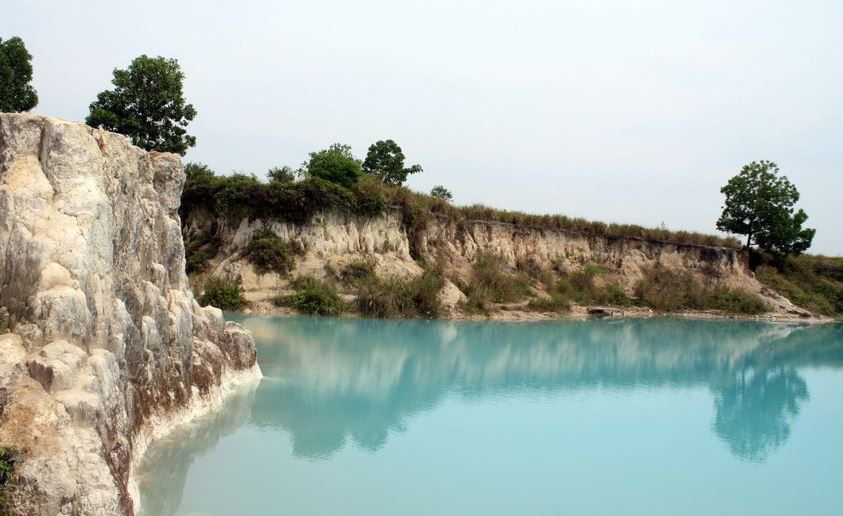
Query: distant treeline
[{"x": 245, "y": 196}]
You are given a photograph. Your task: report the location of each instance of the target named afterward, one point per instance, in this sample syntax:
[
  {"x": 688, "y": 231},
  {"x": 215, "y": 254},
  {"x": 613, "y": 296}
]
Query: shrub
[
  {"x": 666, "y": 290},
  {"x": 317, "y": 297},
  {"x": 222, "y": 293},
  {"x": 396, "y": 297},
  {"x": 268, "y": 253},
  {"x": 371, "y": 196},
  {"x": 9, "y": 458},
  {"x": 490, "y": 283},
  {"x": 813, "y": 282},
  {"x": 356, "y": 271},
  {"x": 335, "y": 164},
  {"x": 198, "y": 250},
  {"x": 555, "y": 303}
]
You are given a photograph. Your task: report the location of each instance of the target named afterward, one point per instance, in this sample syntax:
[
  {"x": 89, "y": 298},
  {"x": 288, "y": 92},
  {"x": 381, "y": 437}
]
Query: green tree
[
  {"x": 335, "y": 164},
  {"x": 198, "y": 172},
  {"x": 283, "y": 174},
  {"x": 440, "y": 192},
  {"x": 16, "y": 94},
  {"x": 147, "y": 105},
  {"x": 386, "y": 160},
  {"x": 759, "y": 204}
]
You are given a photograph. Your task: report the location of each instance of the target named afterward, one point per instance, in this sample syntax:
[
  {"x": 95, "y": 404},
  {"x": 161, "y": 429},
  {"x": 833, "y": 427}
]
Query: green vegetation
[
  {"x": 268, "y": 253},
  {"x": 440, "y": 192},
  {"x": 243, "y": 196},
  {"x": 814, "y": 283},
  {"x": 492, "y": 283},
  {"x": 9, "y": 457},
  {"x": 200, "y": 248},
  {"x": 16, "y": 92},
  {"x": 336, "y": 164},
  {"x": 283, "y": 174},
  {"x": 663, "y": 289},
  {"x": 147, "y": 105},
  {"x": 396, "y": 297},
  {"x": 385, "y": 160},
  {"x": 222, "y": 293},
  {"x": 317, "y": 297},
  {"x": 759, "y": 204}
]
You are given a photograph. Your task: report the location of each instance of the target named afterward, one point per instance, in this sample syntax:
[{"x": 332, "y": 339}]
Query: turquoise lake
[{"x": 633, "y": 417}]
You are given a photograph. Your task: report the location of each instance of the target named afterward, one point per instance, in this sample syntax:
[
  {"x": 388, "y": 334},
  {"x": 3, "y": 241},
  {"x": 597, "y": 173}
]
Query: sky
[{"x": 614, "y": 110}]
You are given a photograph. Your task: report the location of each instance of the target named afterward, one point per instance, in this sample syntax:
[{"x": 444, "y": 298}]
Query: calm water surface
[{"x": 649, "y": 417}]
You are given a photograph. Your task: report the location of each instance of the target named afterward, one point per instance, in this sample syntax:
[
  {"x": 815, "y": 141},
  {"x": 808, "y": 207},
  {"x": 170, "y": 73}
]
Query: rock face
[
  {"x": 107, "y": 347},
  {"x": 330, "y": 241}
]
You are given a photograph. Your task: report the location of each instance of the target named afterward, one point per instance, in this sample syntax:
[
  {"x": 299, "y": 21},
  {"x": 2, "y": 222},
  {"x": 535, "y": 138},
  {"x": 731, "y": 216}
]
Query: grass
[
  {"x": 316, "y": 297},
  {"x": 397, "y": 297},
  {"x": 9, "y": 457},
  {"x": 663, "y": 289},
  {"x": 492, "y": 283},
  {"x": 238, "y": 196},
  {"x": 222, "y": 293},
  {"x": 268, "y": 253},
  {"x": 814, "y": 283}
]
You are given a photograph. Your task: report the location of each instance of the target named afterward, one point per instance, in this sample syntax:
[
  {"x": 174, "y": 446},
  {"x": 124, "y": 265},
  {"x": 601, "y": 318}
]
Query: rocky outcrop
[
  {"x": 107, "y": 347},
  {"x": 332, "y": 240}
]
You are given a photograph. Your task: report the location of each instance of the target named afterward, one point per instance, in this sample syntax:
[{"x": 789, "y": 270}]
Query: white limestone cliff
[{"x": 107, "y": 347}]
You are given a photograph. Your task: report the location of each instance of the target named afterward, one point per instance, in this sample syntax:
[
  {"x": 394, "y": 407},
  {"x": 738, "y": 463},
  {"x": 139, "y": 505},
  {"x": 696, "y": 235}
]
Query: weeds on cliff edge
[
  {"x": 222, "y": 293},
  {"x": 268, "y": 253},
  {"x": 316, "y": 297},
  {"x": 237, "y": 196}
]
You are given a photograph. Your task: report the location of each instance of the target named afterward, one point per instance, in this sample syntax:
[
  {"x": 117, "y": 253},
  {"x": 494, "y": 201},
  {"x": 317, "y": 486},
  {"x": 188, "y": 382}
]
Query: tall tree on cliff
[
  {"x": 759, "y": 204},
  {"x": 147, "y": 105},
  {"x": 16, "y": 94},
  {"x": 386, "y": 160}
]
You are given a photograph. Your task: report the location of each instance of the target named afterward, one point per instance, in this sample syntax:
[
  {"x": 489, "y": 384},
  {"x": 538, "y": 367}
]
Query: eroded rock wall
[{"x": 107, "y": 344}]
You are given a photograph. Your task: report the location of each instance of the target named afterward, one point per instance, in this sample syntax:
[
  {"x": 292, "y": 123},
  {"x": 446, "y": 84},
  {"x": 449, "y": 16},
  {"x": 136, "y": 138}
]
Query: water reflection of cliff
[
  {"x": 331, "y": 380},
  {"x": 163, "y": 471}
]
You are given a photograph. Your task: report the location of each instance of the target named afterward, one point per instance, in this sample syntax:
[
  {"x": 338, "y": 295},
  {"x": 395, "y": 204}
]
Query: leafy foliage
[
  {"x": 283, "y": 174},
  {"x": 16, "y": 92},
  {"x": 268, "y": 253},
  {"x": 222, "y": 293},
  {"x": 386, "y": 161},
  {"x": 335, "y": 164},
  {"x": 440, "y": 192},
  {"x": 147, "y": 105},
  {"x": 491, "y": 283},
  {"x": 759, "y": 204},
  {"x": 317, "y": 297},
  {"x": 9, "y": 458}
]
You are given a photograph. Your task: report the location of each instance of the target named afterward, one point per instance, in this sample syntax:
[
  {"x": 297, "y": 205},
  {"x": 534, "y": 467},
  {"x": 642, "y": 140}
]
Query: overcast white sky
[{"x": 619, "y": 110}]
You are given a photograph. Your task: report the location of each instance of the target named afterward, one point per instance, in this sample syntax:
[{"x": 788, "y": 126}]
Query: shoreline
[
  {"x": 160, "y": 425},
  {"x": 577, "y": 313}
]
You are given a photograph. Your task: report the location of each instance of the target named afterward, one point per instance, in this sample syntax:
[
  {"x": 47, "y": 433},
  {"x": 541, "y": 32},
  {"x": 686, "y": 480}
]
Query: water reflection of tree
[
  {"x": 754, "y": 413},
  {"x": 361, "y": 380}
]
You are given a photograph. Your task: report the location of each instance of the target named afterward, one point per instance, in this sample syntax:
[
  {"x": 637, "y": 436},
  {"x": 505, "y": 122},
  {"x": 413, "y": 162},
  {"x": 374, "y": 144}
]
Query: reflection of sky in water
[{"x": 329, "y": 383}]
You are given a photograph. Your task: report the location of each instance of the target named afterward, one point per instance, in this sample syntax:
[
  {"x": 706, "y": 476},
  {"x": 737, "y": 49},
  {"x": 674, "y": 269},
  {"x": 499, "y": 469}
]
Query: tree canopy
[
  {"x": 16, "y": 94},
  {"x": 386, "y": 160},
  {"x": 759, "y": 204},
  {"x": 441, "y": 192},
  {"x": 283, "y": 174},
  {"x": 335, "y": 164},
  {"x": 147, "y": 104}
]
